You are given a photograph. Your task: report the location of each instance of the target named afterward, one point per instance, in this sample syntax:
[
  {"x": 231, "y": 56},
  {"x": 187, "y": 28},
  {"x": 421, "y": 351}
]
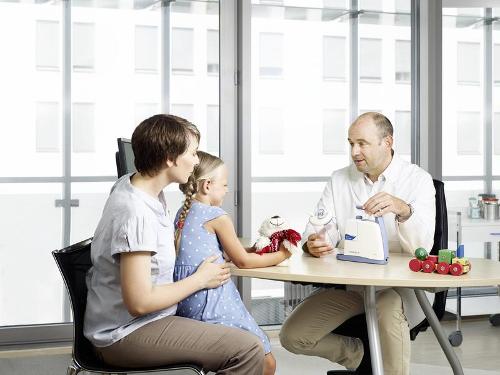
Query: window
[
  {"x": 271, "y": 131},
  {"x": 403, "y": 61},
  {"x": 47, "y": 127},
  {"x": 361, "y": 111},
  {"x": 402, "y": 132},
  {"x": 144, "y": 111},
  {"x": 496, "y": 64},
  {"x": 370, "y": 59},
  {"x": 334, "y": 131},
  {"x": 338, "y": 4},
  {"x": 213, "y": 51},
  {"x": 496, "y": 133},
  {"x": 468, "y": 62},
  {"x": 271, "y": 54},
  {"x": 47, "y": 45},
  {"x": 83, "y": 46},
  {"x": 182, "y": 7},
  {"x": 212, "y": 133},
  {"x": 469, "y": 129},
  {"x": 146, "y": 49},
  {"x": 185, "y": 111},
  {"x": 472, "y": 12},
  {"x": 402, "y": 6},
  {"x": 182, "y": 50},
  {"x": 83, "y": 127},
  {"x": 334, "y": 52},
  {"x": 462, "y": 97},
  {"x": 370, "y": 5},
  {"x": 271, "y": 2}
]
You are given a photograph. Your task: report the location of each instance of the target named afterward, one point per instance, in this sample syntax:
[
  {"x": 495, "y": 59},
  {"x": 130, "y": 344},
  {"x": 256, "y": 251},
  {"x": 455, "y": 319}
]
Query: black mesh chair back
[
  {"x": 124, "y": 157},
  {"x": 74, "y": 262},
  {"x": 440, "y": 242}
]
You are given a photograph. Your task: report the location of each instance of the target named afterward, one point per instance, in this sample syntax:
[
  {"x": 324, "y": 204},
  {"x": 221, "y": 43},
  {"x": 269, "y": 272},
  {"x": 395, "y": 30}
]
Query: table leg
[
  {"x": 439, "y": 332},
  {"x": 373, "y": 336}
]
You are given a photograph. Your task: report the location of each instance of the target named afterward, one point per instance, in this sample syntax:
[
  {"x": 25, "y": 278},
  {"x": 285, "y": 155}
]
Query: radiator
[{"x": 294, "y": 294}]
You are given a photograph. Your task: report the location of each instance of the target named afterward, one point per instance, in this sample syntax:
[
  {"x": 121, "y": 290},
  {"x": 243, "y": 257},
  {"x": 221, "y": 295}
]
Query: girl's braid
[{"x": 189, "y": 190}]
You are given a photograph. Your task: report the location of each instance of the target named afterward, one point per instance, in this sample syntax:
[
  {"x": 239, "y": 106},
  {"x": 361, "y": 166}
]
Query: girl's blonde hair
[{"x": 203, "y": 171}]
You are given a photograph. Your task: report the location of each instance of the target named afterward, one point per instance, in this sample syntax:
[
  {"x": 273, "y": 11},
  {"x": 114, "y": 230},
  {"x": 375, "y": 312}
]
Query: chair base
[{"x": 73, "y": 369}]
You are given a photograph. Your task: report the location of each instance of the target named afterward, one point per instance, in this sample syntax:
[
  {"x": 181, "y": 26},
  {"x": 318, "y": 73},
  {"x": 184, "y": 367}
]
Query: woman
[{"x": 132, "y": 298}]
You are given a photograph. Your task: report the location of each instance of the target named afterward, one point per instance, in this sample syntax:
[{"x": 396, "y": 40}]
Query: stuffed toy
[{"x": 274, "y": 232}]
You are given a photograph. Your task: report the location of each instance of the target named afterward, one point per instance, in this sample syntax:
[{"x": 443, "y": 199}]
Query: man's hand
[
  {"x": 317, "y": 246},
  {"x": 383, "y": 203}
]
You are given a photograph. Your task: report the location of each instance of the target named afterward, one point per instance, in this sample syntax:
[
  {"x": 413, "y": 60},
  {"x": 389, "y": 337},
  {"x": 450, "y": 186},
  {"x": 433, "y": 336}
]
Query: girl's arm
[
  {"x": 141, "y": 297},
  {"x": 224, "y": 229}
]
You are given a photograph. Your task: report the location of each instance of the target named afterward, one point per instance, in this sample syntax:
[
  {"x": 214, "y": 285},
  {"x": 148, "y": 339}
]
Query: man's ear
[{"x": 389, "y": 141}]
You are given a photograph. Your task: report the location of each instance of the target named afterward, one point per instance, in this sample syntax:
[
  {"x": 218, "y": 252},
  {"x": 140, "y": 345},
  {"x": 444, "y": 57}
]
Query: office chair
[
  {"x": 124, "y": 157},
  {"x": 356, "y": 326},
  {"x": 73, "y": 263}
]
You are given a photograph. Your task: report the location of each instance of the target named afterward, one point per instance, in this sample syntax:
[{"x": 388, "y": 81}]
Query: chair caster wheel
[
  {"x": 455, "y": 338},
  {"x": 495, "y": 320}
]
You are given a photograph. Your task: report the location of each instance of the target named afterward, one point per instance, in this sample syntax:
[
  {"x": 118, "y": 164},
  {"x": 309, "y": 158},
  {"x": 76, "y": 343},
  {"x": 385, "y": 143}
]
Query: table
[{"x": 396, "y": 273}]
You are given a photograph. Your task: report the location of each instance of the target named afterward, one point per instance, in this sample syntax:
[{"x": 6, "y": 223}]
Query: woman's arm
[
  {"x": 142, "y": 297},
  {"x": 224, "y": 229}
]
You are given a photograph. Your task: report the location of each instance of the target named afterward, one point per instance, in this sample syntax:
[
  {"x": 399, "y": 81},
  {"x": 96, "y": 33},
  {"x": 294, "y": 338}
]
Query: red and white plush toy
[{"x": 274, "y": 232}]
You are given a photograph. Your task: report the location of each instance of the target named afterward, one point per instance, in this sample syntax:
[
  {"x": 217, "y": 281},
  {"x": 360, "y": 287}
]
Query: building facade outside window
[
  {"x": 83, "y": 127},
  {"x": 370, "y": 59},
  {"x": 468, "y": 62},
  {"x": 272, "y": 136},
  {"x": 146, "y": 49},
  {"x": 334, "y": 131},
  {"x": 271, "y": 54},
  {"x": 48, "y": 127},
  {"x": 182, "y": 50},
  {"x": 212, "y": 51},
  {"x": 334, "y": 57},
  {"x": 468, "y": 136},
  {"x": 403, "y": 61},
  {"x": 83, "y": 57},
  {"x": 402, "y": 132},
  {"x": 48, "y": 50}
]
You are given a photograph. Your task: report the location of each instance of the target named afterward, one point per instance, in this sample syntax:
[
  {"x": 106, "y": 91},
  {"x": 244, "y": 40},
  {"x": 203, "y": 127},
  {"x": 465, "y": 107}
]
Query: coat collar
[{"x": 391, "y": 175}]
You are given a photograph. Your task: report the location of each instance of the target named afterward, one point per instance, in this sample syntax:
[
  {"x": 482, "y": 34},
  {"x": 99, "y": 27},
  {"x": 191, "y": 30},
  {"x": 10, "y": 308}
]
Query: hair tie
[{"x": 180, "y": 224}]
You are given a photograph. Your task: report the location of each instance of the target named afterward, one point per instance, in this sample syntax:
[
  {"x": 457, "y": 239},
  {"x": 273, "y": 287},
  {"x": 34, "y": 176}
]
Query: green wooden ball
[{"x": 421, "y": 253}]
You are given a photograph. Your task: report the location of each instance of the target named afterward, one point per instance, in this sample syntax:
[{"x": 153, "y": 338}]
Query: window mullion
[
  {"x": 353, "y": 63},
  {"x": 488, "y": 99}
]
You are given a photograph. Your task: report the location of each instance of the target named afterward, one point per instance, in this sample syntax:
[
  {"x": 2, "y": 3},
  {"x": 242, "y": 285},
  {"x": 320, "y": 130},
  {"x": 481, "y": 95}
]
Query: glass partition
[
  {"x": 31, "y": 288},
  {"x": 30, "y": 93},
  {"x": 463, "y": 93}
]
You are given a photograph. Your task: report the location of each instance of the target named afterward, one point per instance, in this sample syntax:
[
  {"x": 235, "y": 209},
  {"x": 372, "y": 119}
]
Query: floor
[{"x": 478, "y": 354}]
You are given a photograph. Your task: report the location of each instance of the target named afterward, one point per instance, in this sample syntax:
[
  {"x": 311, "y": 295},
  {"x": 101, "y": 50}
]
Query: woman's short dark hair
[{"x": 161, "y": 138}]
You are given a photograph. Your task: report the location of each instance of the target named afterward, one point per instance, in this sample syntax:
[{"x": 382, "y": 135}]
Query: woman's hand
[{"x": 212, "y": 275}]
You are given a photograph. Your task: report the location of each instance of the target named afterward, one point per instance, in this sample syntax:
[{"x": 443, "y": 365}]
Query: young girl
[
  {"x": 204, "y": 229},
  {"x": 131, "y": 303}
]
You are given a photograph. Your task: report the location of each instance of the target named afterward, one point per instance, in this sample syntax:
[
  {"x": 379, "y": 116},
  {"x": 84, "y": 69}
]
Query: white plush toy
[{"x": 273, "y": 232}]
